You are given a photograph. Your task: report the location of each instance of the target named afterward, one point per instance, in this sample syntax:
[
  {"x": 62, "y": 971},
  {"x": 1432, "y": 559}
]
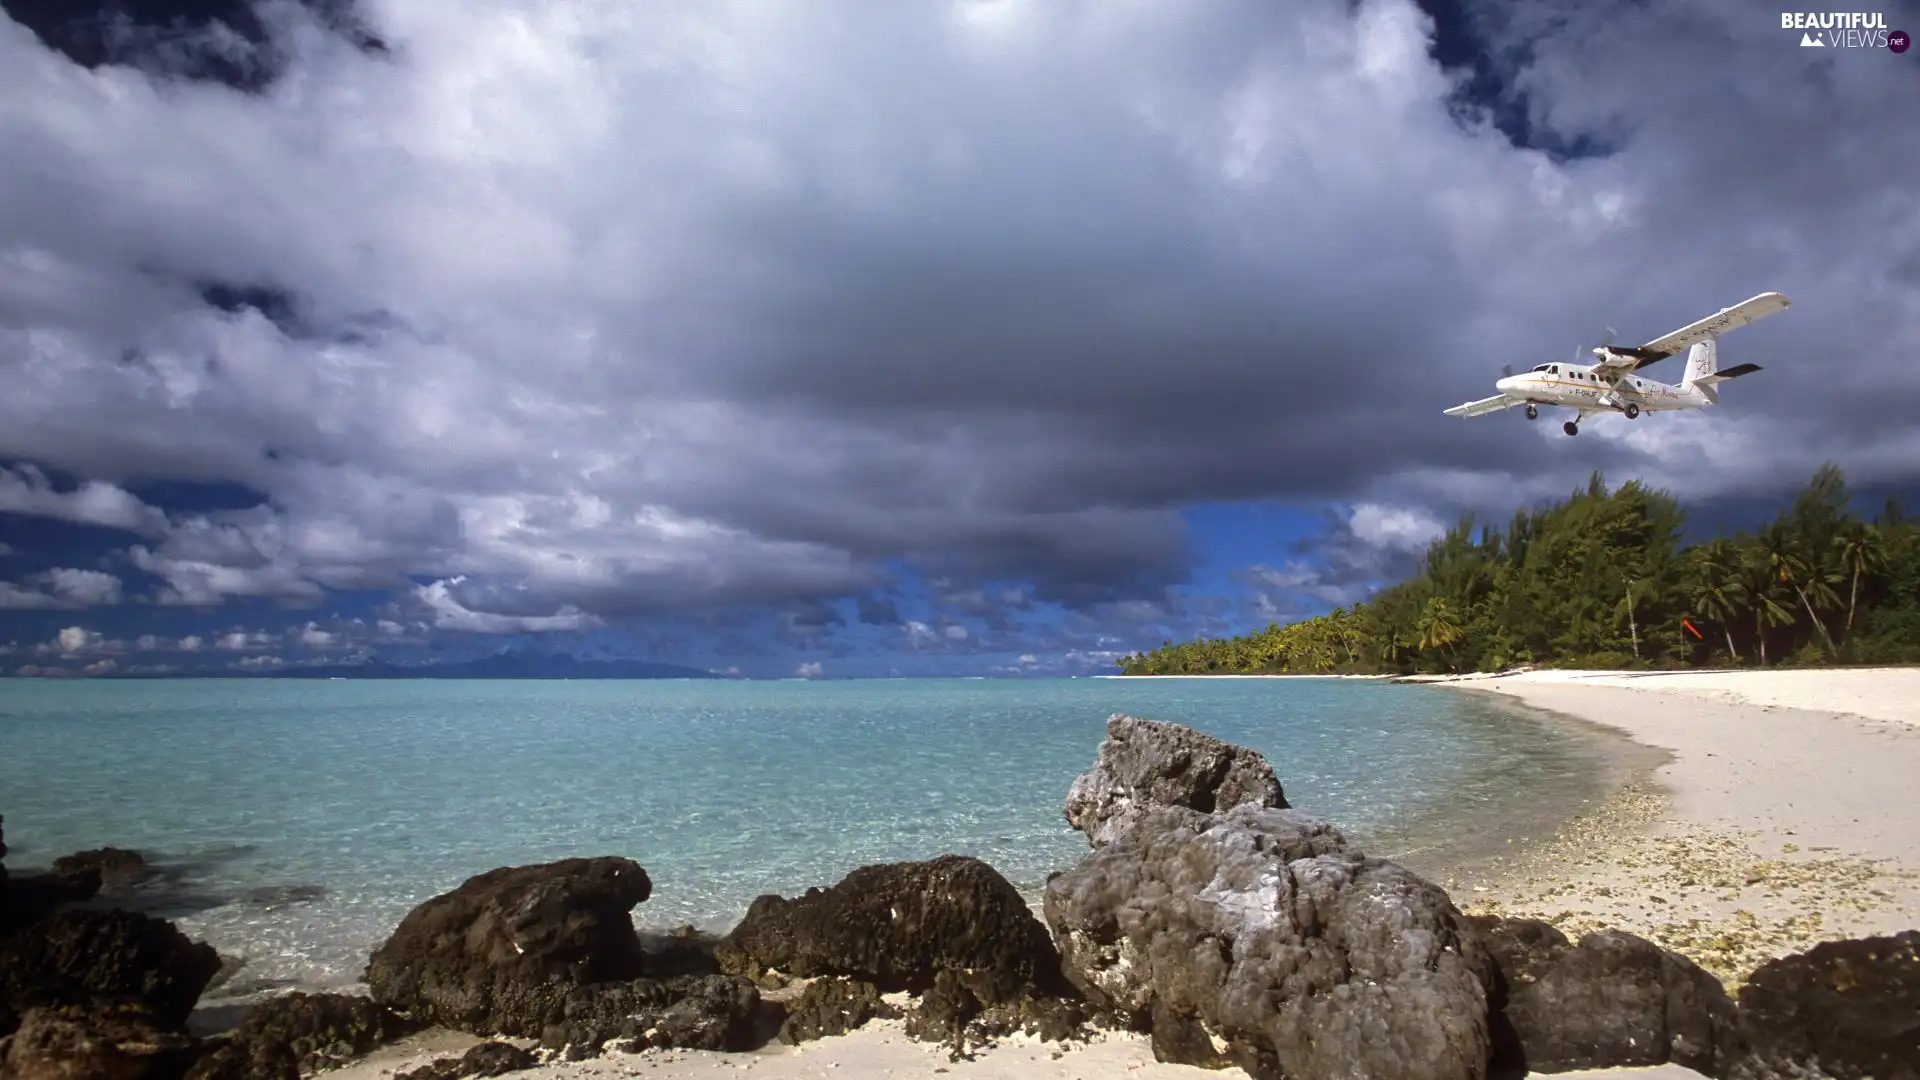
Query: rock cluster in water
[{"x": 1207, "y": 913}]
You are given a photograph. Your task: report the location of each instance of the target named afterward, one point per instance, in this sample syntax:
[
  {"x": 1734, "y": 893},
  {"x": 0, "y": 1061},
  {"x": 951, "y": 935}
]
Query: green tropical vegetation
[{"x": 1602, "y": 579}]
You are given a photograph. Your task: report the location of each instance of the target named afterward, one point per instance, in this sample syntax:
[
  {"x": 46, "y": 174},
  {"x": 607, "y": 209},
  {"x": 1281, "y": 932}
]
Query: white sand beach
[{"x": 1787, "y": 813}]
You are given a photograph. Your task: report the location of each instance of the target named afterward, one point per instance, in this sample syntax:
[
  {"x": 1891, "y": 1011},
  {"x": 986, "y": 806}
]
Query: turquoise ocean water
[{"x": 372, "y": 796}]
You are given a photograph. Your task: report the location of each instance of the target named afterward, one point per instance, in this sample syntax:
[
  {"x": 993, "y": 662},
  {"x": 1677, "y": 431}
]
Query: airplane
[{"x": 1610, "y": 385}]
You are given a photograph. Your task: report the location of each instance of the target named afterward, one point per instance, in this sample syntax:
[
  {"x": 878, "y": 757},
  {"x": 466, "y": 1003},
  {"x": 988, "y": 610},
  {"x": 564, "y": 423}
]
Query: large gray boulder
[
  {"x": 1144, "y": 764},
  {"x": 1260, "y": 937}
]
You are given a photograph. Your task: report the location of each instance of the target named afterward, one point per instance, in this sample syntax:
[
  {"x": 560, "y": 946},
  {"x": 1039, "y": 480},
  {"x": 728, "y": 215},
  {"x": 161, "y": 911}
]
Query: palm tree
[
  {"x": 1761, "y": 584},
  {"x": 1437, "y": 628},
  {"x": 1861, "y": 553},
  {"x": 1718, "y": 594},
  {"x": 1783, "y": 556}
]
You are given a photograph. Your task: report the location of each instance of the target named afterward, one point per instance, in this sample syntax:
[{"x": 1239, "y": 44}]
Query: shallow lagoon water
[{"x": 304, "y": 818}]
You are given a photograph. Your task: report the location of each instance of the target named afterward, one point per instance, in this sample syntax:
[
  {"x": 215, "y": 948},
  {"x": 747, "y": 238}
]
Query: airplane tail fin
[
  {"x": 1702, "y": 360},
  {"x": 1704, "y": 374}
]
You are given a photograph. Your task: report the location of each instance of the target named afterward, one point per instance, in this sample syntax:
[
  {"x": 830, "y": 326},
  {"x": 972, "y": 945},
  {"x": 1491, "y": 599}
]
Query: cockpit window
[{"x": 1553, "y": 369}]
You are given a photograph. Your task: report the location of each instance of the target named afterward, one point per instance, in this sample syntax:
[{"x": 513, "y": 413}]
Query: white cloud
[
  {"x": 27, "y": 490},
  {"x": 84, "y": 588},
  {"x": 74, "y": 640},
  {"x": 312, "y": 636},
  {"x": 62, "y": 588},
  {"x": 243, "y": 641},
  {"x": 1404, "y": 529},
  {"x": 16, "y": 598},
  {"x": 191, "y": 643},
  {"x": 621, "y": 309},
  {"x": 811, "y": 669},
  {"x": 450, "y": 614}
]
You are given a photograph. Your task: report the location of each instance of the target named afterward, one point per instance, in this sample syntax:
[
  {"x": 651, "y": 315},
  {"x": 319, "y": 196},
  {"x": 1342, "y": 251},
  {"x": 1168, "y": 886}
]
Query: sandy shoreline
[
  {"x": 1778, "y": 810},
  {"x": 1768, "y": 828}
]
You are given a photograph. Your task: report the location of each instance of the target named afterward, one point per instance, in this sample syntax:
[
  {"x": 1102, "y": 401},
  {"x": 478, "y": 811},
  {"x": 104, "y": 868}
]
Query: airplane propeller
[
  {"x": 1579, "y": 352},
  {"x": 1506, "y": 371}
]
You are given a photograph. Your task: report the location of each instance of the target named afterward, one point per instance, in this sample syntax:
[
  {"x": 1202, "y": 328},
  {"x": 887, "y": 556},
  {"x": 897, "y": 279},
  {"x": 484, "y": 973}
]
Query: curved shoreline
[{"x": 1765, "y": 829}]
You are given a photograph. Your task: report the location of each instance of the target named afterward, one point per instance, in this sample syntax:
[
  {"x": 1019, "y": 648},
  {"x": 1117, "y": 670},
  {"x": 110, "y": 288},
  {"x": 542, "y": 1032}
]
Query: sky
[{"x": 828, "y": 340}]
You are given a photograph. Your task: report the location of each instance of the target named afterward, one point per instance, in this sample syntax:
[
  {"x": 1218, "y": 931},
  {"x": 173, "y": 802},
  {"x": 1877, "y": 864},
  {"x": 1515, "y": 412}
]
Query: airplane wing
[
  {"x": 1751, "y": 310},
  {"x": 1485, "y": 406}
]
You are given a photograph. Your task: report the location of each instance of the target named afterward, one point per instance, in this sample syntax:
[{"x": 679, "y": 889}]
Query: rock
[
  {"x": 72, "y": 1042},
  {"x": 898, "y": 925},
  {"x": 1613, "y": 1000},
  {"x": 684, "y": 950},
  {"x": 949, "y": 1014},
  {"x": 943, "y": 1014},
  {"x": 1148, "y": 763},
  {"x": 118, "y": 868},
  {"x": 26, "y": 899},
  {"x": 1842, "y": 1009},
  {"x": 498, "y": 954},
  {"x": 487, "y": 1059},
  {"x": 709, "y": 1012},
  {"x": 315, "y": 1032},
  {"x": 1303, "y": 956},
  {"x": 247, "y": 1061},
  {"x": 833, "y": 1007},
  {"x": 96, "y": 957}
]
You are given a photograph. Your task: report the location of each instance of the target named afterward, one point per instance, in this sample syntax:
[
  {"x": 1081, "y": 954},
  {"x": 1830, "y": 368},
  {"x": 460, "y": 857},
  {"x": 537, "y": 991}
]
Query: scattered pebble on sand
[{"x": 1705, "y": 894}]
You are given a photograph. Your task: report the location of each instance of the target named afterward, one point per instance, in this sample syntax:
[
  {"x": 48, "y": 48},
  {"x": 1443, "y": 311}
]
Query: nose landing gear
[
  {"x": 1570, "y": 428},
  {"x": 1532, "y": 413}
]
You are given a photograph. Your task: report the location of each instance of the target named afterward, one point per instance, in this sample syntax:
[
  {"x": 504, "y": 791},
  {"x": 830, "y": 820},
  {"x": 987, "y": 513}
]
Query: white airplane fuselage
[{"x": 1576, "y": 386}]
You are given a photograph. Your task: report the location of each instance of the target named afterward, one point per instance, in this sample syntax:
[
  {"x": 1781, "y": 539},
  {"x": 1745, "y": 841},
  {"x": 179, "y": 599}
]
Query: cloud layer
[{"x": 544, "y": 318}]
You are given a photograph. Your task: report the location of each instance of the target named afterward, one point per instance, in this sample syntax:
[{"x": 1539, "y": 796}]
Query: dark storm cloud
[
  {"x": 229, "y": 42},
  {"x": 546, "y": 318}
]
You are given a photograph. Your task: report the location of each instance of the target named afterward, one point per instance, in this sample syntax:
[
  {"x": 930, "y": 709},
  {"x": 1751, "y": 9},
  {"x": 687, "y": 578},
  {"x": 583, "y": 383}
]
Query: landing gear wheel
[
  {"x": 1533, "y": 413},
  {"x": 1570, "y": 428},
  {"x": 1633, "y": 412}
]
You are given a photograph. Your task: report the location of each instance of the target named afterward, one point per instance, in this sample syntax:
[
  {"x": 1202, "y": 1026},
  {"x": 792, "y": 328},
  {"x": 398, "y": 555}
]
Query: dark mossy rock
[
  {"x": 694, "y": 1012},
  {"x": 1614, "y": 1000},
  {"x": 95, "y": 1042},
  {"x": 312, "y": 1031},
  {"x": 100, "y": 957},
  {"x": 118, "y": 868},
  {"x": 898, "y": 926},
  {"x": 949, "y": 1014},
  {"x": 492, "y": 1058},
  {"x": 498, "y": 954},
  {"x": 1847, "y": 1010},
  {"x": 833, "y": 1007}
]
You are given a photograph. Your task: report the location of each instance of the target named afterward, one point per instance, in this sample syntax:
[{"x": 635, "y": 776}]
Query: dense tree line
[{"x": 1602, "y": 580}]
